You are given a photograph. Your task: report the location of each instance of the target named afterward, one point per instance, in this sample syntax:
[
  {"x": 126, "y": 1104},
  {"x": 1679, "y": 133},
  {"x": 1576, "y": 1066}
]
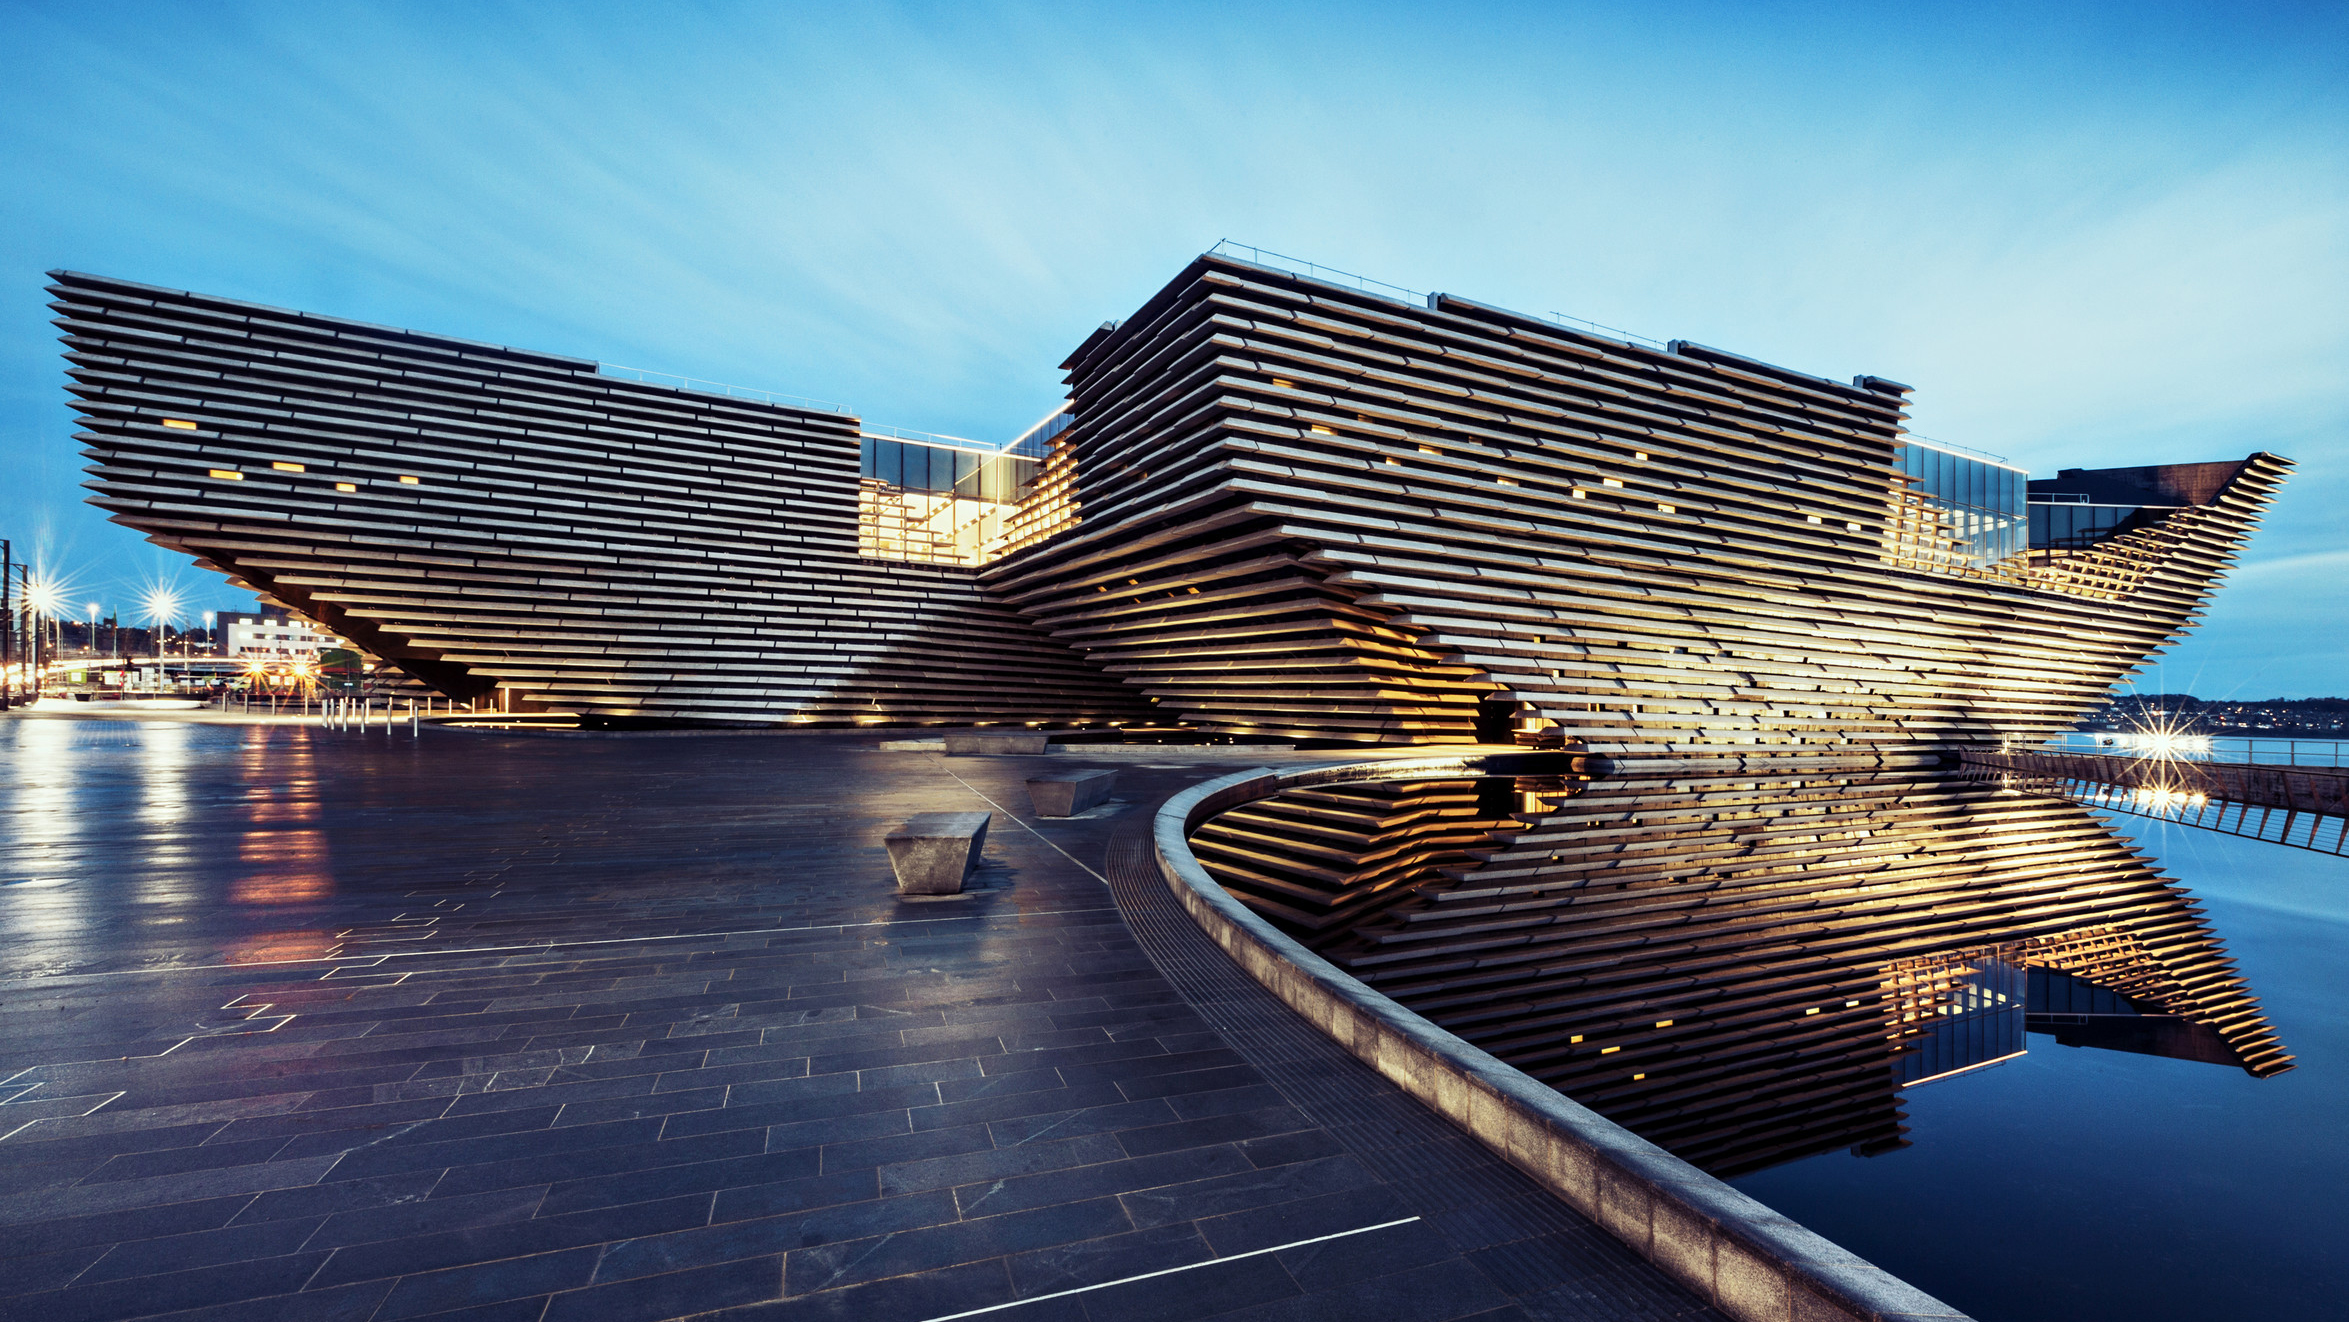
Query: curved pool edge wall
[{"x": 1733, "y": 1251}]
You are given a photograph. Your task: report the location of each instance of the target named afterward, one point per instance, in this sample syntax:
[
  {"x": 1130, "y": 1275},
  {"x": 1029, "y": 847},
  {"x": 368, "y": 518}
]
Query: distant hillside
[{"x": 2277, "y": 717}]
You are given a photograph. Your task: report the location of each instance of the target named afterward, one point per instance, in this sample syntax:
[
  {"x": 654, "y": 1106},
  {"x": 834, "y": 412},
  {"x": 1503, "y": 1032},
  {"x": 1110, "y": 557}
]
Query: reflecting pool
[
  {"x": 2035, "y": 1065},
  {"x": 2087, "y": 1184}
]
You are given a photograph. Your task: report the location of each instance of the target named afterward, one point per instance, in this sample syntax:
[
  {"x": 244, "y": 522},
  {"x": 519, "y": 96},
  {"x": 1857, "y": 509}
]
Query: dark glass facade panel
[
  {"x": 1982, "y": 503},
  {"x": 1980, "y": 1020},
  {"x": 2074, "y": 526},
  {"x": 945, "y": 470}
]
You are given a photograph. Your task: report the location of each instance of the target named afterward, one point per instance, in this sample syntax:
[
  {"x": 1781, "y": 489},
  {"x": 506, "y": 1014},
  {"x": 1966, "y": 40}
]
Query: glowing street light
[
  {"x": 43, "y": 595},
  {"x": 162, "y": 605}
]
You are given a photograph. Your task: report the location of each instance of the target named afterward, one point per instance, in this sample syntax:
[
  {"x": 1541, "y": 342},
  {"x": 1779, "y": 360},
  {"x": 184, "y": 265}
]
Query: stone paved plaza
[{"x": 299, "y": 1024}]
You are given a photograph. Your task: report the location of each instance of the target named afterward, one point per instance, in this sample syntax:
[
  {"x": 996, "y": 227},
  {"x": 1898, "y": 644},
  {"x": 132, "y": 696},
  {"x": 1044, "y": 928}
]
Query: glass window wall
[{"x": 1978, "y": 505}]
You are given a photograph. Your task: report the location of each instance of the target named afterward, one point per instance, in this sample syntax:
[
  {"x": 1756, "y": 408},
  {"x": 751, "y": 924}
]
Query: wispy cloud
[{"x": 2089, "y": 235}]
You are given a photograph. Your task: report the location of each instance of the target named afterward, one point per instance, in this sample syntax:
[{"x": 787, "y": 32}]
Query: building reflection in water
[
  {"x": 166, "y": 860},
  {"x": 283, "y": 858},
  {"x": 282, "y": 855},
  {"x": 1745, "y": 968}
]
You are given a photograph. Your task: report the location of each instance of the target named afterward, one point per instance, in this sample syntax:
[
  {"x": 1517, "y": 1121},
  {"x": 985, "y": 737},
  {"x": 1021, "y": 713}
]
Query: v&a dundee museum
[{"x": 1378, "y": 807}]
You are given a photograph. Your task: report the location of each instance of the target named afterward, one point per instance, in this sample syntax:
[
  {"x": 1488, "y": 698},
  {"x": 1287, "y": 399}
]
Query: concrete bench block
[
  {"x": 1000, "y": 743},
  {"x": 1067, "y": 793},
  {"x": 934, "y": 851}
]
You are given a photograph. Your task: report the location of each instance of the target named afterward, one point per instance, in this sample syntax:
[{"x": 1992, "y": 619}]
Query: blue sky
[{"x": 2089, "y": 236}]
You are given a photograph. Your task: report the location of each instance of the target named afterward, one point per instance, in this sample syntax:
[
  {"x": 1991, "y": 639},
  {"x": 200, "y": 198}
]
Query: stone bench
[
  {"x": 1067, "y": 793},
  {"x": 1000, "y": 743},
  {"x": 934, "y": 851}
]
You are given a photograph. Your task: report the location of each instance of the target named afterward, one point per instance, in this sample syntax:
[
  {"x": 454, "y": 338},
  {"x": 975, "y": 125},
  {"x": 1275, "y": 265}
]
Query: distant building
[{"x": 273, "y": 637}]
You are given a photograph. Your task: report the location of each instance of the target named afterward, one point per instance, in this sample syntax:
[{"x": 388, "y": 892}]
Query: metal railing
[
  {"x": 1381, "y": 289},
  {"x": 1315, "y": 271},
  {"x": 1605, "y": 331},
  {"x": 2248, "y": 749},
  {"x": 646, "y": 376},
  {"x": 1035, "y": 442},
  {"x": 1919, "y": 438},
  {"x": 935, "y": 439}
]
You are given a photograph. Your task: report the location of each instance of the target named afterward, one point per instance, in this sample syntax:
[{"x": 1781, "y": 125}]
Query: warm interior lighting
[
  {"x": 1578, "y": 494},
  {"x": 1284, "y": 383},
  {"x": 228, "y": 475},
  {"x": 1429, "y": 449},
  {"x": 1813, "y": 518},
  {"x": 1663, "y": 508},
  {"x": 288, "y": 468},
  {"x": 180, "y": 423},
  {"x": 1663, "y": 1023},
  {"x": 1610, "y": 481},
  {"x": 1506, "y": 481},
  {"x": 1319, "y": 430},
  {"x": 1609, "y": 1051},
  {"x": 411, "y": 481},
  {"x": 1639, "y": 456},
  {"x": 345, "y": 486}
]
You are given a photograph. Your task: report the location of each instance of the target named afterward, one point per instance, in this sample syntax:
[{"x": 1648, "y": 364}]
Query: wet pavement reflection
[
  {"x": 1760, "y": 972},
  {"x": 307, "y": 1023}
]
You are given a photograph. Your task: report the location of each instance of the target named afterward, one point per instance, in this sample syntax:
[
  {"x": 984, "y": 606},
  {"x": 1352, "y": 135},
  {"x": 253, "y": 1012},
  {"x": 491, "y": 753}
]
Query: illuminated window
[
  {"x": 288, "y": 468},
  {"x": 1814, "y": 518},
  {"x": 411, "y": 481},
  {"x": 228, "y": 475},
  {"x": 1639, "y": 456},
  {"x": 1284, "y": 383},
  {"x": 1578, "y": 494},
  {"x": 1611, "y": 481},
  {"x": 1663, "y": 508},
  {"x": 345, "y": 486},
  {"x": 1506, "y": 481},
  {"x": 1319, "y": 430},
  {"x": 1429, "y": 449},
  {"x": 181, "y": 423}
]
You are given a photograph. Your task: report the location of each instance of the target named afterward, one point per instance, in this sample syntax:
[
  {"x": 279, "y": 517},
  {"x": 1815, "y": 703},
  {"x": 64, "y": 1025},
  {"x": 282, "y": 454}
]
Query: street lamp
[
  {"x": 43, "y": 599},
  {"x": 162, "y": 607}
]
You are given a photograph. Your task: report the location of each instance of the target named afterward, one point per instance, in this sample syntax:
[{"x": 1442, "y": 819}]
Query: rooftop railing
[
  {"x": 1331, "y": 275},
  {"x": 1315, "y": 271},
  {"x": 696, "y": 385},
  {"x": 931, "y": 438},
  {"x": 1947, "y": 447}
]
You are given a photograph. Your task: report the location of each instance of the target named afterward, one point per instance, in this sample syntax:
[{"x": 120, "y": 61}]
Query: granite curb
[{"x": 1735, "y": 1252}]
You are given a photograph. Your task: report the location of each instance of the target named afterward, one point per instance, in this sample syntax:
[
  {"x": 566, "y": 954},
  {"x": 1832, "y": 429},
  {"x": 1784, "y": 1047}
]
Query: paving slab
[{"x": 299, "y": 1023}]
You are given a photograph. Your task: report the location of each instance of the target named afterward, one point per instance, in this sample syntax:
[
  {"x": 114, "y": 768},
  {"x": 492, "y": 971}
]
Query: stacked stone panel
[
  {"x": 1309, "y": 510},
  {"x": 487, "y": 517}
]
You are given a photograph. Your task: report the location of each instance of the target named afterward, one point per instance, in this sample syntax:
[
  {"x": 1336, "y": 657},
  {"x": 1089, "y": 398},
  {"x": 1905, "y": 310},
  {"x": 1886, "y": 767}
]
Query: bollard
[{"x": 415, "y": 727}]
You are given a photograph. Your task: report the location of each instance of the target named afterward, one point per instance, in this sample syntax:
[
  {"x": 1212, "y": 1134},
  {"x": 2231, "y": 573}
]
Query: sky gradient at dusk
[{"x": 2089, "y": 236}]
